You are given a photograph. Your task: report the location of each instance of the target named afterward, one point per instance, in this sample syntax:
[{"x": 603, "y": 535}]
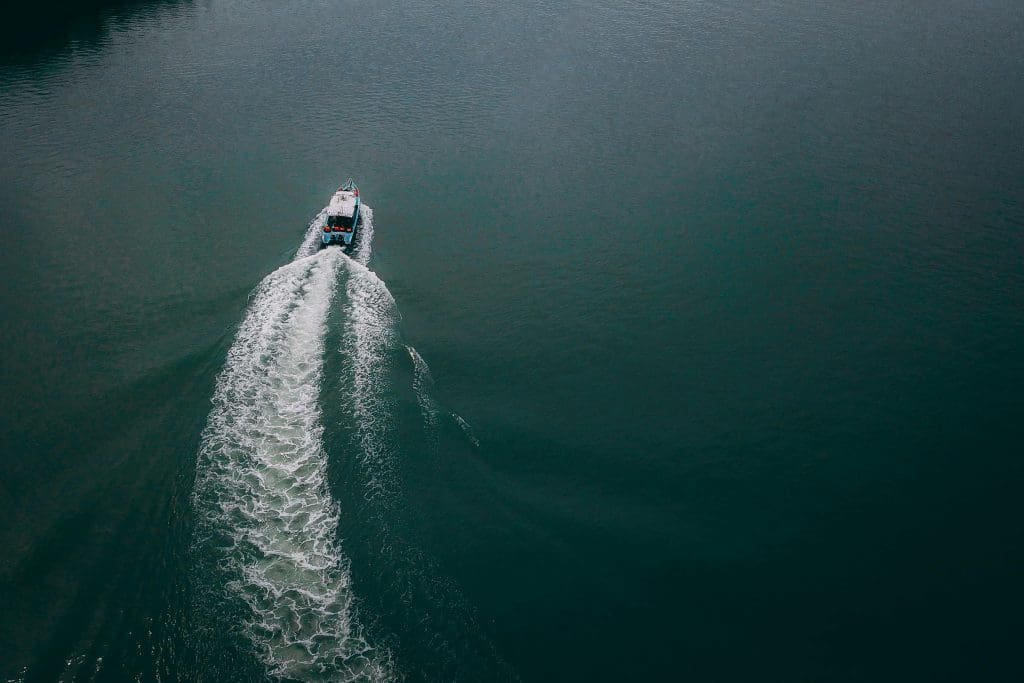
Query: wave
[
  {"x": 263, "y": 506},
  {"x": 368, "y": 337},
  {"x": 423, "y": 383},
  {"x": 369, "y": 333},
  {"x": 310, "y": 244},
  {"x": 440, "y": 637},
  {"x": 270, "y": 568}
]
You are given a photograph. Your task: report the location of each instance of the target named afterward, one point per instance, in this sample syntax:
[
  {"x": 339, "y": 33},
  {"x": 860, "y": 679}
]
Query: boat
[{"x": 343, "y": 216}]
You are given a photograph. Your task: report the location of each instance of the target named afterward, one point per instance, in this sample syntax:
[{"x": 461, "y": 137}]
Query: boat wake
[
  {"x": 270, "y": 568},
  {"x": 263, "y": 506},
  {"x": 368, "y": 338},
  {"x": 423, "y": 384},
  {"x": 437, "y": 625}
]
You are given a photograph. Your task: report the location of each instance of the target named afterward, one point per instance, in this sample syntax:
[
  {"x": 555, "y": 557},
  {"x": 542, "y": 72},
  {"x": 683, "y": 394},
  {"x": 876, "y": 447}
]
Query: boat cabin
[{"x": 342, "y": 216}]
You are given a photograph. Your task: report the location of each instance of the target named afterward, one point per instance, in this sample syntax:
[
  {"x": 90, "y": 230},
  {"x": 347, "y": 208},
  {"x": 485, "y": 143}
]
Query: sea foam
[{"x": 261, "y": 495}]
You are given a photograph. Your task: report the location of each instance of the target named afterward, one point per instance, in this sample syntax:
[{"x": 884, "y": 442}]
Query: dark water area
[
  {"x": 683, "y": 342},
  {"x": 33, "y": 33}
]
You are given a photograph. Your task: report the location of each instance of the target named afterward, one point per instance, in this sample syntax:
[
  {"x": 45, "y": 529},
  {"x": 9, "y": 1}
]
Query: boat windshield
[{"x": 339, "y": 221}]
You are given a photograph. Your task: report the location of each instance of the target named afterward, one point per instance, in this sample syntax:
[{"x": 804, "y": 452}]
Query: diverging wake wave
[
  {"x": 423, "y": 384},
  {"x": 263, "y": 506}
]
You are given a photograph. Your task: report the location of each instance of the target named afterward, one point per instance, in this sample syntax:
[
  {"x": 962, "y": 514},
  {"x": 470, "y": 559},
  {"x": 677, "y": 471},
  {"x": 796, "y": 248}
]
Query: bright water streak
[
  {"x": 438, "y": 618},
  {"x": 261, "y": 489},
  {"x": 369, "y": 336},
  {"x": 370, "y": 314},
  {"x": 423, "y": 384}
]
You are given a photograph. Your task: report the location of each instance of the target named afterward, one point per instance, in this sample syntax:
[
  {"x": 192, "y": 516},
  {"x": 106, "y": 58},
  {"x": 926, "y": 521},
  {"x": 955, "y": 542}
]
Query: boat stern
[{"x": 342, "y": 217}]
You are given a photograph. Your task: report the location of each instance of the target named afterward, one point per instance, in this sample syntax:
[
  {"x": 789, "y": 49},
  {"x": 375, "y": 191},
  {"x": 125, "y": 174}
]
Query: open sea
[{"x": 683, "y": 341}]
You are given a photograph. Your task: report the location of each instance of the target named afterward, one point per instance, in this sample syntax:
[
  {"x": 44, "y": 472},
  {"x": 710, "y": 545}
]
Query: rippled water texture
[{"x": 683, "y": 341}]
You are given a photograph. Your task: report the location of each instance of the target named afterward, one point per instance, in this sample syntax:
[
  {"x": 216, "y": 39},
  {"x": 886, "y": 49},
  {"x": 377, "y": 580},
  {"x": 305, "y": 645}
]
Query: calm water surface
[{"x": 687, "y": 343}]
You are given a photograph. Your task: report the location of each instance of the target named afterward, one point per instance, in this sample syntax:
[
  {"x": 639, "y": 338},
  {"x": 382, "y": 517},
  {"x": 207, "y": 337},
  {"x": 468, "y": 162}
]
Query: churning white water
[
  {"x": 261, "y": 492},
  {"x": 265, "y": 514}
]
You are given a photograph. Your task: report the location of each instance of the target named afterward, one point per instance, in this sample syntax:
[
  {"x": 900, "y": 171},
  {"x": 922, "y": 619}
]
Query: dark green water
[{"x": 694, "y": 350}]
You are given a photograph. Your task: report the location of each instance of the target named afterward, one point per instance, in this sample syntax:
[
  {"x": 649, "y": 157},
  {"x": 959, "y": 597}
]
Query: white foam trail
[
  {"x": 433, "y": 613},
  {"x": 368, "y": 337},
  {"x": 364, "y": 236},
  {"x": 311, "y": 240},
  {"x": 261, "y": 492}
]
